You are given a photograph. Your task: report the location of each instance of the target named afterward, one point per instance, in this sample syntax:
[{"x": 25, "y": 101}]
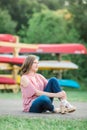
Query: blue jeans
[{"x": 43, "y": 102}]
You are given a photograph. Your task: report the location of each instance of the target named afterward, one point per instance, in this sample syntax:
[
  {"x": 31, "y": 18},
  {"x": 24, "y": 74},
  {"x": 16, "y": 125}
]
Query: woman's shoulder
[
  {"x": 41, "y": 76},
  {"x": 24, "y": 81},
  {"x": 24, "y": 77},
  {"x": 38, "y": 74}
]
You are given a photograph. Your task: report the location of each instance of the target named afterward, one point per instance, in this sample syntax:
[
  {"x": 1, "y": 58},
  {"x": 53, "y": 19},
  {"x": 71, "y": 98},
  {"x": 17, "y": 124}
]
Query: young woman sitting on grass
[{"x": 38, "y": 92}]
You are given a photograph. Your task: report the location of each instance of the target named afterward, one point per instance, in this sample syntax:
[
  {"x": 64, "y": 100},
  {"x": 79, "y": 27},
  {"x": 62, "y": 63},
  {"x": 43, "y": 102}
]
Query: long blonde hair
[{"x": 26, "y": 66}]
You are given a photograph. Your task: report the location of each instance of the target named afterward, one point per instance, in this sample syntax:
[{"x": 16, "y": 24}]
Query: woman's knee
[
  {"x": 53, "y": 79},
  {"x": 45, "y": 99}
]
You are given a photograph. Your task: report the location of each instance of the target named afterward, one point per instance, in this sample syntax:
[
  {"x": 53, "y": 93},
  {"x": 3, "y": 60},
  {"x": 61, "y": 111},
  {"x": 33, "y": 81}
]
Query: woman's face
[{"x": 34, "y": 67}]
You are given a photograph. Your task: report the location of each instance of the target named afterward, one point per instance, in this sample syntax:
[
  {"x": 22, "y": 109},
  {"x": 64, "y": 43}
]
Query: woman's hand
[{"x": 62, "y": 95}]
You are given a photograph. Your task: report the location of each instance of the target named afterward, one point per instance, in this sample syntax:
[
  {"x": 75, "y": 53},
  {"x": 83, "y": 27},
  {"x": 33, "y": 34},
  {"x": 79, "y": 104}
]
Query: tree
[
  {"x": 53, "y": 4},
  {"x": 79, "y": 10},
  {"x": 50, "y": 27},
  {"x": 21, "y": 10},
  {"x": 6, "y": 23}
]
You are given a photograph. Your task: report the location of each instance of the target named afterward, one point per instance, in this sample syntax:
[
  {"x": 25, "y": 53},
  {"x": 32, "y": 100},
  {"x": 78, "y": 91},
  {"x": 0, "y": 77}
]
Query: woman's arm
[
  {"x": 55, "y": 95},
  {"x": 32, "y": 91}
]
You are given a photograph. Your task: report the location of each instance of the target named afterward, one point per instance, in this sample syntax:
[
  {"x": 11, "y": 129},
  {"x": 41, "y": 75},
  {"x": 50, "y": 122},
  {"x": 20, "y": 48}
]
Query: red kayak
[
  {"x": 66, "y": 48},
  {"x": 71, "y": 48},
  {"x": 11, "y": 60},
  {"x": 7, "y": 38}
]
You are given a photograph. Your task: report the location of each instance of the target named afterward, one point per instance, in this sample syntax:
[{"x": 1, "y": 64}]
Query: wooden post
[
  {"x": 15, "y": 72},
  {"x": 15, "y": 54},
  {"x": 16, "y": 49},
  {"x": 59, "y": 73}
]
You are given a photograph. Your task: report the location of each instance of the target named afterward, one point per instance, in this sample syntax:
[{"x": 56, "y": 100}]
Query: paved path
[{"x": 14, "y": 107}]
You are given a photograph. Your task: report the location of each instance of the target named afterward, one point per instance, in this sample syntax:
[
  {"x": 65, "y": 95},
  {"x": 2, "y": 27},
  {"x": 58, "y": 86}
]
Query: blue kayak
[{"x": 68, "y": 83}]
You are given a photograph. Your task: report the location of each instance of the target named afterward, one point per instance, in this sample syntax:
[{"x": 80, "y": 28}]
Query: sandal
[
  {"x": 63, "y": 109},
  {"x": 71, "y": 109}
]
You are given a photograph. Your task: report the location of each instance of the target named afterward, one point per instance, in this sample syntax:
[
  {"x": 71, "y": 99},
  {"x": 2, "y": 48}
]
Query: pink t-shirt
[{"x": 28, "y": 93}]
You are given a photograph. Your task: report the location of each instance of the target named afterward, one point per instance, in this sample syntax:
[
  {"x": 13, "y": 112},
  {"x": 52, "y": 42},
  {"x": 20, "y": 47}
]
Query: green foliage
[
  {"x": 79, "y": 10},
  {"x": 53, "y": 4},
  {"x": 50, "y": 27},
  {"x": 6, "y": 23},
  {"x": 21, "y": 10},
  {"x": 81, "y": 73}
]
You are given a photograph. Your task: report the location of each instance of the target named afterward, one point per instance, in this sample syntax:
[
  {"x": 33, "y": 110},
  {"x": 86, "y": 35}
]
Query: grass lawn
[
  {"x": 77, "y": 96},
  {"x": 72, "y": 94},
  {"x": 17, "y": 123}
]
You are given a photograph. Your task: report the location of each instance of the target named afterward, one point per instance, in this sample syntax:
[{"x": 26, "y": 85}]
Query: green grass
[
  {"x": 77, "y": 96},
  {"x": 10, "y": 95},
  {"x": 72, "y": 94},
  {"x": 18, "y": 123}
]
